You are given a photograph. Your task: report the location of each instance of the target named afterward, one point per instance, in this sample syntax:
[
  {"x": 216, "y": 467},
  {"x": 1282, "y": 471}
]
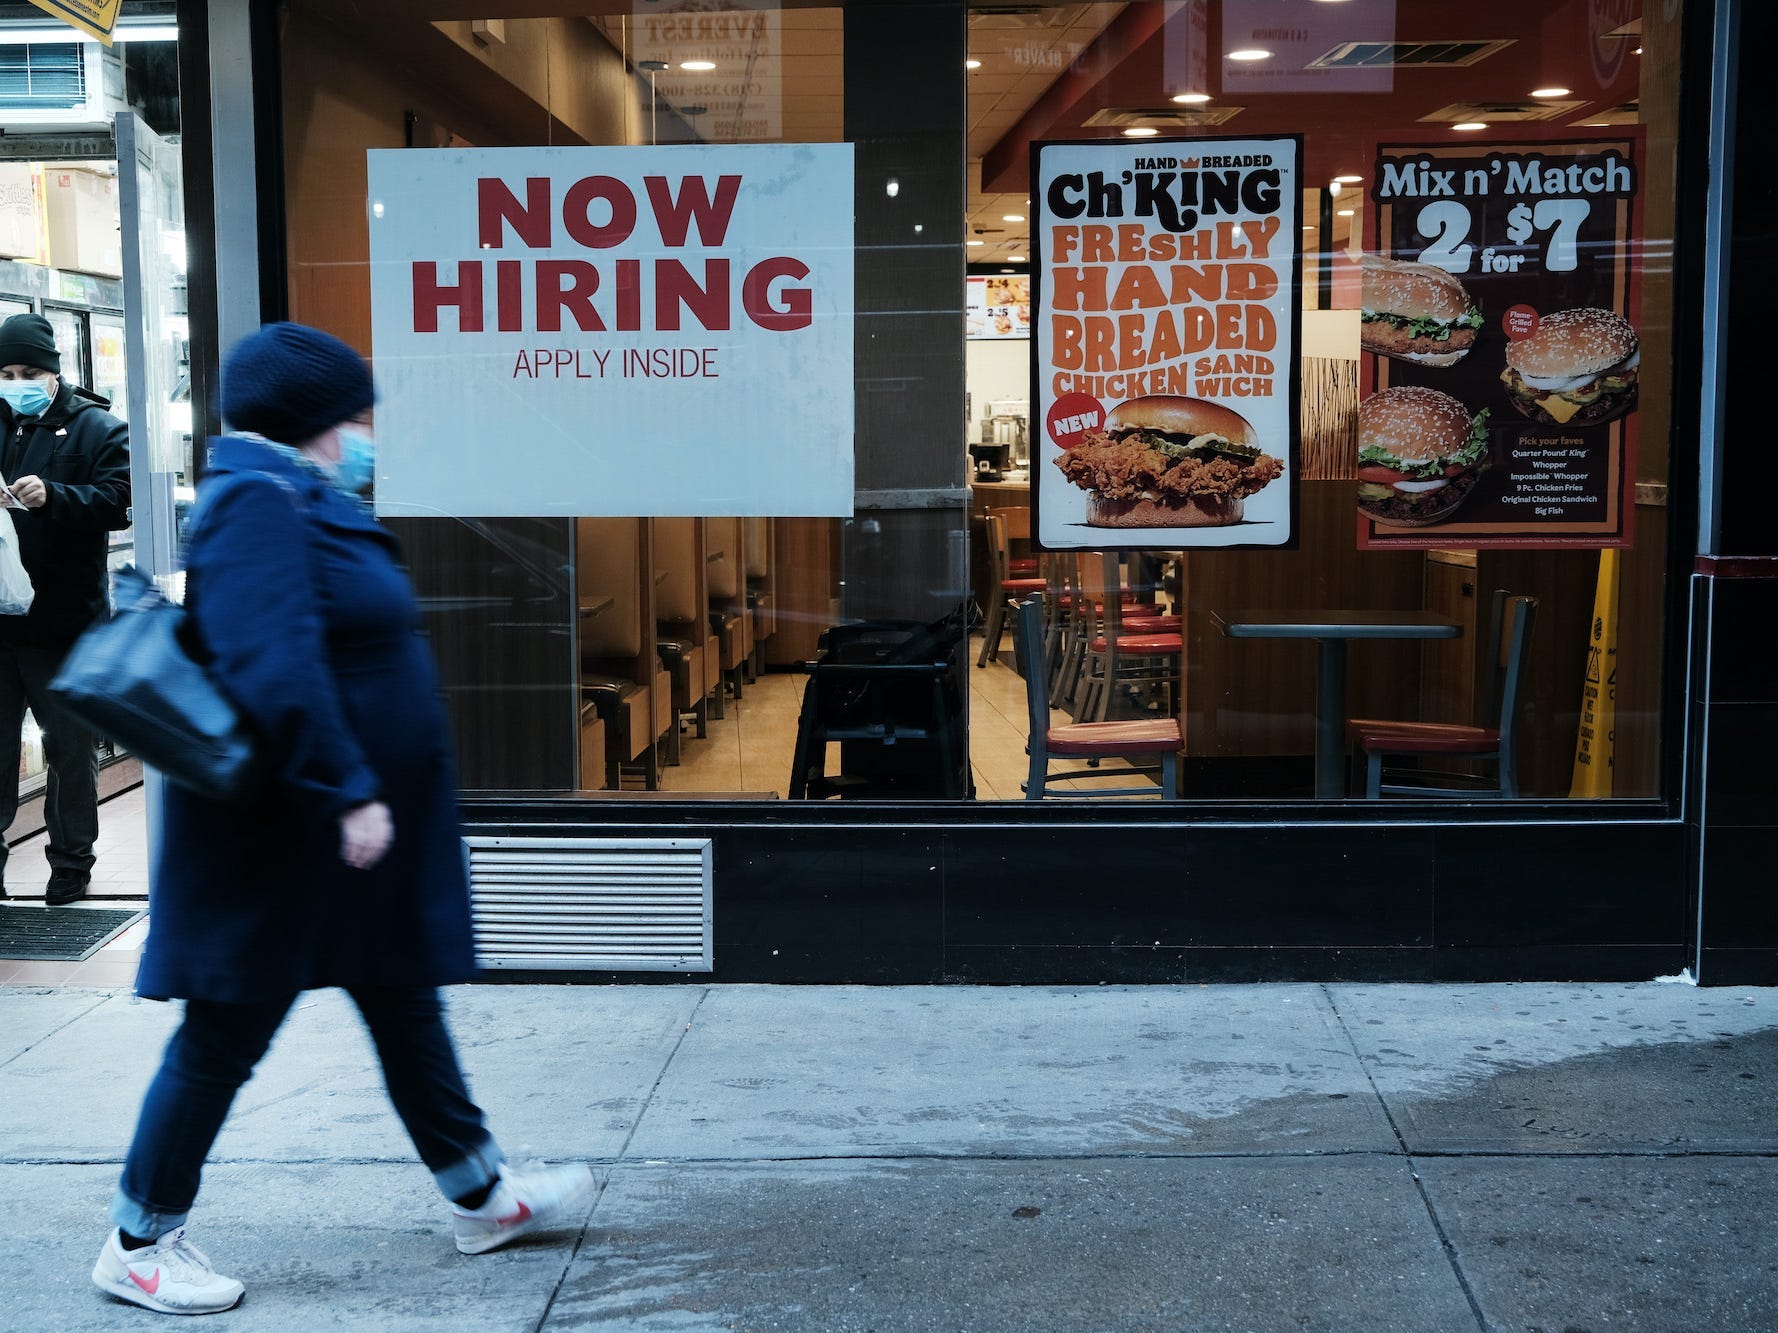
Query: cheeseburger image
[
  {"x": 1420, "y": 454},
  {"x": 1416, "y": 312},
  {"x": 1168, "y": 462},
  {"x": 1580, "y": 367}
]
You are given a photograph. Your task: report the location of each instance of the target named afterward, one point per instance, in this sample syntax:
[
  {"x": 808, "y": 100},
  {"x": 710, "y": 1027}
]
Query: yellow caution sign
[
  {"x": 97, "y": 17},
  {"x": 1595, "y": 747}
]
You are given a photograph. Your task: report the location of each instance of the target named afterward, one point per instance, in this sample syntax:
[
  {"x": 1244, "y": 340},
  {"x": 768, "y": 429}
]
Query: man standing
[{"x": 66, "y": 469}]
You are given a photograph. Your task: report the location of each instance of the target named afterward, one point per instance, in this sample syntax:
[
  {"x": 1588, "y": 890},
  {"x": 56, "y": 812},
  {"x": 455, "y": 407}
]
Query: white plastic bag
[{"x": 16, "y": 592}]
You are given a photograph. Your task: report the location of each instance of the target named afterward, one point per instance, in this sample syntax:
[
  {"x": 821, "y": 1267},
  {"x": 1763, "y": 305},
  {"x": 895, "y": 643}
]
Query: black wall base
[{"x": 1060, "y": 902}]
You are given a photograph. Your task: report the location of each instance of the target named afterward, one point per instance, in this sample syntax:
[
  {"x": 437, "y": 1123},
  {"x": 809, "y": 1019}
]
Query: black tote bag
[{"x": 130, "y": 678}]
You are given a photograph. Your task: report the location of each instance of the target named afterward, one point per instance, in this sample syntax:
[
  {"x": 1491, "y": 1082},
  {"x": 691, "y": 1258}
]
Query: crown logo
[{"x": 1191, "y": 163}]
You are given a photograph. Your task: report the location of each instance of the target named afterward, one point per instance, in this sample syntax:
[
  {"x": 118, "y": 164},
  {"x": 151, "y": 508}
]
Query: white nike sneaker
[
  {"x": 172, "y": 1276},
  {"x": 526, "y": 1199}
]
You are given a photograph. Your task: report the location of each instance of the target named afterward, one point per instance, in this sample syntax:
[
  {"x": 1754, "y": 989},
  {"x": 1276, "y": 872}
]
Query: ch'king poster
[{"x": 1166, "y": 360}]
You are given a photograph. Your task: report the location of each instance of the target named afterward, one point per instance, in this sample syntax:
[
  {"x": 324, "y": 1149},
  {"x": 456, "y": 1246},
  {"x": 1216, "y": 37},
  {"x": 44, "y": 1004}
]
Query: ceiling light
[
  {"x": 1344, "y": 213},
  {"x": 1250, "y": 53},
  {"x": 975, "y": 242},
  {"x": 919, "y": 227},
  {"x": 892, "y": 187},
  {"x": 1549, "y": 92},
  {"x": 1347, "y": 180},
  {"x": 1141, "y": 132},
  {"x": 1191, "y": 99},
  {"x": 1470, "y": 125},
  {"x": 972, "y": 64},
  {"x": 1012, "y": 217},
  {"x": 1637, "y": 51},
  {"x": 1334, "y": 189},
  {"x": 1308, "y": 226},
  {"x": 1015, "y": 259},
  {"x": 697, "y": 66}
]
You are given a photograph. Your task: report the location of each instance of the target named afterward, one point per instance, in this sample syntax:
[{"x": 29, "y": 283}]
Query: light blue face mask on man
[
  {"x": 357, "y": 467},
  {"x": 27, "y": 398}
]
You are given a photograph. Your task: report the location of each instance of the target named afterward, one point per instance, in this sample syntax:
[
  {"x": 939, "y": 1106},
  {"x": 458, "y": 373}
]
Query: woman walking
[{"x": 347, "y": 869}]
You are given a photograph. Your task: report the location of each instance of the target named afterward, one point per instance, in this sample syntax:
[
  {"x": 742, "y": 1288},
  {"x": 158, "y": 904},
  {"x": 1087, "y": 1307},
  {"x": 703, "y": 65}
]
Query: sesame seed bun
[
  {"x": 1413, "y": 423},
  {"x": 1574, "y": 342},
  {"x": 1194, "y": 511},
  {"x": 1414, "y": 291},
  {"x": 1175, "y": 415}
]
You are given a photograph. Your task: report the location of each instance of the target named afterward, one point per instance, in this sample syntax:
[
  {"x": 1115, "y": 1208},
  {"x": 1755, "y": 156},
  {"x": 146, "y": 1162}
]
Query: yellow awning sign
[
  {"x": 96, "y": 17},
  {"x": 1595, "y": 747}
]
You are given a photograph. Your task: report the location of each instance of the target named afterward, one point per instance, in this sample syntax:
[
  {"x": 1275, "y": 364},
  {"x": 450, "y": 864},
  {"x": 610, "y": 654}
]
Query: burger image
[
  {"x": 1168, "y": 462},
  {"x": 1416, "y": 312},
  {"x": 1420, "y": 454},
  {"x": 1580, "y": 367}
]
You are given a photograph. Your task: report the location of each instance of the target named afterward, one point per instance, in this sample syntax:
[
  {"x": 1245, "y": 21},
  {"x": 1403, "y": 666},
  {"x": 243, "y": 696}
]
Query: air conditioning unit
[{"x": 50, "y": 86}]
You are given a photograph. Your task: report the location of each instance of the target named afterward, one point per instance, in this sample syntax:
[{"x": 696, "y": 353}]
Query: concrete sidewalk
[{"x": 837, "y": 1158}]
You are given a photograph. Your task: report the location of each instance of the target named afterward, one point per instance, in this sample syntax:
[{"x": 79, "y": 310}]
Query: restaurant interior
[{"x": 739, "y": 657}]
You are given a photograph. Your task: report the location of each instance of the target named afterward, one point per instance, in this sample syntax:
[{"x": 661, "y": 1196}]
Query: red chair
[
  {"x": 1376, "y": 738},
  {"x": 1008, "y": 588},
  {"x": 1121, "y": 656},
  {"x": 1093, "y": 741}
]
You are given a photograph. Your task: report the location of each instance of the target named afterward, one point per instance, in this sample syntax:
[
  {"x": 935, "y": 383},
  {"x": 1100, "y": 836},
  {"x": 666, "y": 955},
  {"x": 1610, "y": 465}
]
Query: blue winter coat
[{"x": 297, "y": 593}]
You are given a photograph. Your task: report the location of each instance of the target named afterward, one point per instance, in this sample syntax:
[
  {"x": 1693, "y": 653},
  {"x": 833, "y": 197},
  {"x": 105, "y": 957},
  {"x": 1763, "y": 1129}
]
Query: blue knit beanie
[{"x": 289, "y": 383}]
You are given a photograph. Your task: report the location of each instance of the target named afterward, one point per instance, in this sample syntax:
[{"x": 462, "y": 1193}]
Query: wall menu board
[
  {"x": 1166, "y": 364},
  {"x": 998, "y": 308},
  {"x": 1502, "y": 303},
  {"x": 613, "y": 331}
]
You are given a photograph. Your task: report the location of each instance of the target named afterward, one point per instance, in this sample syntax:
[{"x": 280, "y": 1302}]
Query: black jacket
[{"x": 82, "y": 453}]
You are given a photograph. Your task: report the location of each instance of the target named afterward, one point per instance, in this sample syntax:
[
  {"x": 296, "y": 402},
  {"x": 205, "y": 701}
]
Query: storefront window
[{"x": 662, "y": 298}]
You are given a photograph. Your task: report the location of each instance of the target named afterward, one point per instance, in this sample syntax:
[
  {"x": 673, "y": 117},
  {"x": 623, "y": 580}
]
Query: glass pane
[
  {"x": 590, "y": 643},
  {"x": 1536, "y": 168}
]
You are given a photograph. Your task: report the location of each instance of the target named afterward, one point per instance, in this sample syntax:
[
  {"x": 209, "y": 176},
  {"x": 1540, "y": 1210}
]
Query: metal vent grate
[
  {"x": 1545, "y": 109},
  {"x": 1406, "y": 55},
  {"x": 594, "y": 904},
  {"x": 1161, "y": 117}
]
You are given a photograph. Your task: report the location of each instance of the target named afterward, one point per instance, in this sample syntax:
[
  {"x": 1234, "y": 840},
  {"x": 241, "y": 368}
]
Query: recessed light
[
  {"x": 1308, "y": 226},
  {"x": 1191, "y": 99},
  {"x": 1012, "y": 217},
  {"x": 1348, "y": 180},
  {"x": 1549, "y": 92},
  {"x": 697, "y": 66},
  {"x": 1015, "y": 259},
  {"x": 1250, "y": 53},
  {"x": 972, "y": 64},
  {"x": 919, "y": 227},
  {"x": 975, "y": 242},
  {"x": 1470, "y": 125},
  {"x": 1637, "y": 51},
  {"x": 1344, "y": 213},
  {"x": 1334, "y": 189},
  {"x": 892, "y": 187},
  {"x": 1597, "y": 125},
  {"x": 1141, "y": 132}
]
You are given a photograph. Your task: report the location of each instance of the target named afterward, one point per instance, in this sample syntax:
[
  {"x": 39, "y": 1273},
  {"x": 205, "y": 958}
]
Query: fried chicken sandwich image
[
  {"x": 1415, "y": 312},
  {"x": 1168, "y": 462}
]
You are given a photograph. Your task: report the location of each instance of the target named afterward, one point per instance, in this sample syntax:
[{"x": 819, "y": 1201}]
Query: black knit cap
[
  {"x": 28, "y": 340},
  {"x": 289, "y": 383}
]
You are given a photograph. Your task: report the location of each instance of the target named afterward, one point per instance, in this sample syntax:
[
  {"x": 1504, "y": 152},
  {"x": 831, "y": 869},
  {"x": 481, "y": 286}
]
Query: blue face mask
[
  {"x": 357, "y": 467},
  {"x": 27, "y": 398}
]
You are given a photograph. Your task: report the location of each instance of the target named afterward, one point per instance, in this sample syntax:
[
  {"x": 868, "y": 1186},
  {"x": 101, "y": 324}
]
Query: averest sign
[{"x": 617, "y": 331}]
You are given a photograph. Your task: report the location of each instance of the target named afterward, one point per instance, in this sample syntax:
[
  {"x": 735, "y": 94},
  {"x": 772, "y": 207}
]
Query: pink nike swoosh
[
  {"x": 149, "y": 1285},
  {"x": 522, "y": 1215}
]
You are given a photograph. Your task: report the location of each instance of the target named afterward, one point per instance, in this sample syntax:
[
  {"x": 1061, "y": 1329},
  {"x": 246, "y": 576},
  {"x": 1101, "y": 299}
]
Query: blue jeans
[{"x": 214, "y": 1052}]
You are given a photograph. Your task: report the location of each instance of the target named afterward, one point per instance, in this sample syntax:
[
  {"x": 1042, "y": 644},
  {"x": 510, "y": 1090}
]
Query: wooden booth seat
[{"x": 620, "y": 673}]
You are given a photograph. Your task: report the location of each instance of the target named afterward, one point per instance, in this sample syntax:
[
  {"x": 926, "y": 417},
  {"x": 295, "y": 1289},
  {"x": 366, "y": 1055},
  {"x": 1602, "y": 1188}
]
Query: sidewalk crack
[
  {"x": 1438, "y": 1226},
  {"x": 555, "y": 1291}
]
